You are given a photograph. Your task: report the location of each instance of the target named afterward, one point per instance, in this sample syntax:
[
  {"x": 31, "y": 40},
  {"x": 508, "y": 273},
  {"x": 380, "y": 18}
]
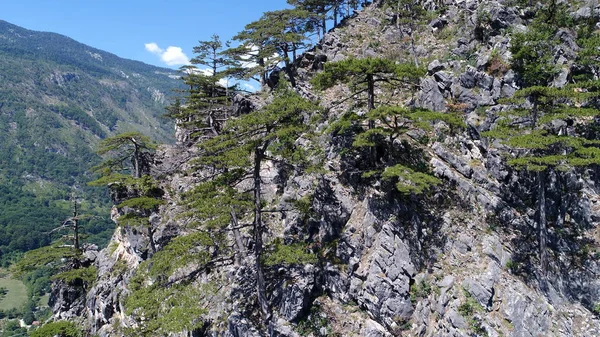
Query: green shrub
[
  {"x": 289, "y": 254},
  {"x": 60, "y": 329}
]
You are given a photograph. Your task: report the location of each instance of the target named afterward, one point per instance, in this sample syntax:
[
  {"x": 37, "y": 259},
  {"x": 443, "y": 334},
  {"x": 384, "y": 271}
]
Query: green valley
[{"x": 58, "y": 99}]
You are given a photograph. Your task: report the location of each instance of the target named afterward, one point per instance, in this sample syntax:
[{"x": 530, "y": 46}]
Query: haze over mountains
[{"x": 58, "y": 98}]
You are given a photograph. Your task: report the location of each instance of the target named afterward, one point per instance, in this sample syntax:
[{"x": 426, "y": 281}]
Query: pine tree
[
  {"x": 409, "y": 14},
  {"x": 64, "y": 256},
  {"x": 227, "y": 162},
  {"x": 384, "y": 123},
  {"x": 203, "y": 107},
  {"x": 527, "y": 129},
  {"x": 272, "y": 39},
  {"x": 126, "y": 153},
  {"x": 267, "y": 134},
  {"x": 319, "y": 9}
]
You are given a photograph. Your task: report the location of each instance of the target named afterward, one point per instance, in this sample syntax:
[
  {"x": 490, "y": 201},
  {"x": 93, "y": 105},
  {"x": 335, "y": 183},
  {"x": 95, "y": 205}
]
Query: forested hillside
[{"x": 58, "y": 99}]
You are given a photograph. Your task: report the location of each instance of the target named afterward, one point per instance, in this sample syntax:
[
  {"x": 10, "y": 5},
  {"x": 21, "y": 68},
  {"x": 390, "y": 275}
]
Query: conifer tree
[
  {"x": 319, "y": 9},
  {"x": 64, "y": 256},
  {"x": 126, "y": 152},
  {"x": 537, "y": 146},
  {"x": 385, "y": 123},
  {"x": 203, "y": 107},
  {"x": 273, "y": 37},
  {"x": 409, "y": 14},
  {"x": 266, "y": 134},
  {"x": 227, "y": 162}
]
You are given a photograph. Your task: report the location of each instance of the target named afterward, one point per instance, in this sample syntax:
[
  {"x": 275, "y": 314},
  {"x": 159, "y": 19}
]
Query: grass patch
[
  {"x": 44, "y": 300},
  {"x": 16, "y": 294}
]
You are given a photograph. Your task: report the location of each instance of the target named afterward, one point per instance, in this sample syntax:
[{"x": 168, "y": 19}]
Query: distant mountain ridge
[{"x": 58, "y": 98}]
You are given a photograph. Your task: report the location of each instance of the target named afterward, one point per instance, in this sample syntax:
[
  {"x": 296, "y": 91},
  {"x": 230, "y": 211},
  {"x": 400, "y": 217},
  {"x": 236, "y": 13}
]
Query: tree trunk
[
  {"x": 289, "y": 72},
  {"x": 543, "y": 234},
  {"x": 335, "y": 16},
  {"x": 136, "y": 161},
  {"x": 561, "y": 184},
  {"x": 371, "y": 106},
  {"x": 348, "y": 8},
  {"x": 75, "y": 228},
  {"x": 258, "y": 243},
  {"x": 263, "y": 72},
  {"x": 398, "y": 15},
  {"x": 534, "y": 112},
  {"x": 412, "y": 46},
  {"x": 239, "y": 244},
  {"x": 151, "y": 240}
]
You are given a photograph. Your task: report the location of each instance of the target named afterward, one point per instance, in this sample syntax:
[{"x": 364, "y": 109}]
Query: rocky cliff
[{"x": 461, "y": 261}]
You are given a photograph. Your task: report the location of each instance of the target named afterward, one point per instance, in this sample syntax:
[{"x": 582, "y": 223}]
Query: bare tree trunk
[
  {"x": 258, "y": 243},
  {"x": 534, "y": 112},
  {"x": 75, "y": 227},
  {"x": 543, "y": 233},
  {"x": 348, "y": 8},
  {"x": 335, "y": 16},
  {"x": 290, "y": 72},
  {"x": 371, "y": 106},
  {"x": 412, "y": 45},
  {"x": 398, "y": 15},
  {"x": 263, "y": 73},
  {"x": 564, "y": 199},
  {"x": 239, "y": 244},
  {"x": 136, "y": 161},
  {"x": 151, "y": 239}
]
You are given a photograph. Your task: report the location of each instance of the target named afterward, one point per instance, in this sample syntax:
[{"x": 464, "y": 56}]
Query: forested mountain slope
[
  {"x": 58, "y": 98},
  {"x": 428, "y": 169}
]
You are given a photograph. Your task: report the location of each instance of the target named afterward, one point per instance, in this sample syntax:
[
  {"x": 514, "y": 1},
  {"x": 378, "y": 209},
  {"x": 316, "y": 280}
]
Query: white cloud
[
  {"x": 173, "y": 56},
  {"x": 153, "y": 48}
]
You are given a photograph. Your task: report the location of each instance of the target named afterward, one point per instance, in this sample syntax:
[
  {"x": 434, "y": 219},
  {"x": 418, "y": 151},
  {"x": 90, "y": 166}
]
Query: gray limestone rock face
[
  {"x": 431, "y": 97},
  {"x": 297, "y": 293},
  {"x": 435, "y": 66}
]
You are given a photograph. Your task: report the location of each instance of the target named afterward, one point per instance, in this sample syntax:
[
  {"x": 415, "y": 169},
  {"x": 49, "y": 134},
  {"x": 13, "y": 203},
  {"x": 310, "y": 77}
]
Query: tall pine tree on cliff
[
  {"x": 383, "y": 123},
  {"x": 536, "y": 145},
  {"x": 227, "y": 161}
]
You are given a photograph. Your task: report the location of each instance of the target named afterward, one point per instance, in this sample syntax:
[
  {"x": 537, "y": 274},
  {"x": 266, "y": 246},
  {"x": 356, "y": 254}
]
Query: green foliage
[
  {"x": 85, "y": 275},
  {"x": 213, "y": 202},
  {"x": 410, "y": 181},
  {"x": 419, "y": 290},
  {"x": 278, "y": 125},
  {"x": 468, "y": 309},
  {"x": 143, "y": 203},
  {"x": 162, "y": 306},
  {"x": 180, "y": 252},
  {"x": 162, "y": 310},
  {"x": 296, "y": 253},
  {"x": 385, "y": 124},
  {"x": 312, "y": 324},
  {"x": 125, "y": 153},
  {"x": 304, "y": 205},
  {"x": 46, "y": 256},
  {"x": 13, "y": 328},
  {"x": 58, "y": 329},
  {"x": 356, "y": 71},
  {"x": 596, "y": 309},
  {"x": 533, "y": 50}
]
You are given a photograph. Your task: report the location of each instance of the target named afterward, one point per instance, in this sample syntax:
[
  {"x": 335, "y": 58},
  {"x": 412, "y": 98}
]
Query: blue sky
[{"x": 152, "y": 31}]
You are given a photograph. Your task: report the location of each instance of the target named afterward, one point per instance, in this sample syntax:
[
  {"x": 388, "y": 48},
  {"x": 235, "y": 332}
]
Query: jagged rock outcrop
[{"x": 460, "y": 262}]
